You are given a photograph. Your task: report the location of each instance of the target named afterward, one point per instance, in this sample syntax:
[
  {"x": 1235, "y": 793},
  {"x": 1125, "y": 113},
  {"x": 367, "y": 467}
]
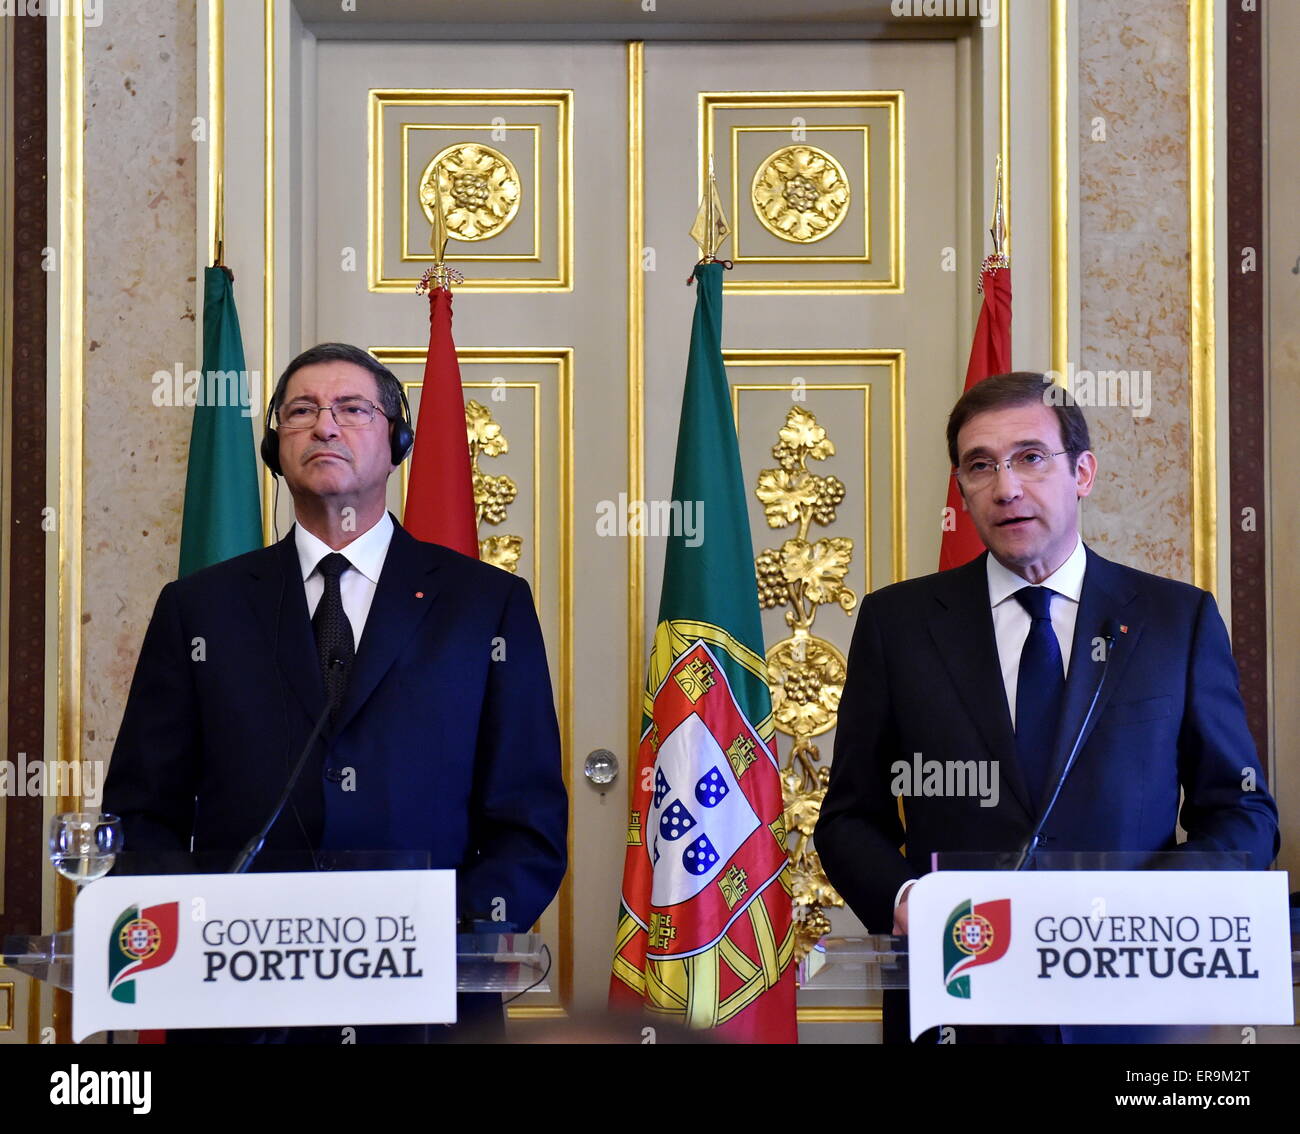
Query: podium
[
  {"x": 366, "y": 938},
  {"x": 502, "y": 963},
  {"x": 874, "y": 962},
  {"x": 1117, "y": 940}
]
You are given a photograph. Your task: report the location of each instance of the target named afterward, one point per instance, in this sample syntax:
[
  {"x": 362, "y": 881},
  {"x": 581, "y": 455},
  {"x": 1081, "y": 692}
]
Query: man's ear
[{"x": 1085, "y": 473}]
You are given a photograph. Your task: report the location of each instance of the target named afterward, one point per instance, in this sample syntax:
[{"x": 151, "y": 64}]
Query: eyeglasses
[
  {"x": 349, "y": 413},
  {"x": 1028, "y": 464}
]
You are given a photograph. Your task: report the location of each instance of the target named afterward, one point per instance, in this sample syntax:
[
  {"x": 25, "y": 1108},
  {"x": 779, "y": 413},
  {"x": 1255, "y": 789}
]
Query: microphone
[
  {"x": 1111, "y": 631},
  {"x": 253, "y": 847}
]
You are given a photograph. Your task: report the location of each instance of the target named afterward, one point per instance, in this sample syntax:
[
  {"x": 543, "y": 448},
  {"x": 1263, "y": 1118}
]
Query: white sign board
[
  {"x": 265, "y": 950},
  {"x": 1099, "y": 947}
]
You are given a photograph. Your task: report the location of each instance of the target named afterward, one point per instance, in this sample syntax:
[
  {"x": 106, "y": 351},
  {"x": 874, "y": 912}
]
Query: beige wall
[{"x": 140, "y": 165}]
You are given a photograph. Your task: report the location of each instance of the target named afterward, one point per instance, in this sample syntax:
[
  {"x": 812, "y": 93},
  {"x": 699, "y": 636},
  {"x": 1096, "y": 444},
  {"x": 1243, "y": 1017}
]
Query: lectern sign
[
  {"x": 265, "y": 950},
  {"x": 1099, "y": 947}
]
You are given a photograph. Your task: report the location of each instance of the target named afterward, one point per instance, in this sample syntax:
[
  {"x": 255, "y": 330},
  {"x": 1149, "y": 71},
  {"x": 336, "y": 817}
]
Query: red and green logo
[
  {"x": 140, "y": 939},
  {"x": 975, "y": 935}
]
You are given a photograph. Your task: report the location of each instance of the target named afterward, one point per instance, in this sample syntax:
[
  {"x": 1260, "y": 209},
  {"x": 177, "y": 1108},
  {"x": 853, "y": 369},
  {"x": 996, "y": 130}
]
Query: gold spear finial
[
  {"x": 439, "y": 274},
  {"x": 998, "y": 225},
  {"x": 710, "y": 228},
  {"x": 438, "y": 235}
]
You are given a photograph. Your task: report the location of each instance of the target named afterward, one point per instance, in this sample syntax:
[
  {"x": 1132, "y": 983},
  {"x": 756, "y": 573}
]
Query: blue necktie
[{"x": 1040, "y": 689}]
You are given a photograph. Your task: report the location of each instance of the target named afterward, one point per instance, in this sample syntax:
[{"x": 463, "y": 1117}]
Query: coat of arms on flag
[
  {"x": 705, "y": 926},
  {"x": 975, "y": 935}
]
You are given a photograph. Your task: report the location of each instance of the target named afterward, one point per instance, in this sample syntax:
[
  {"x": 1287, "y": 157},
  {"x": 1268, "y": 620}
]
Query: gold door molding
[
  {"x": 422, "y": 124},
  {"x": 862, "y": 135},
  {"x": 895, "y": 362},
  {"x": 561, "y": 359}
]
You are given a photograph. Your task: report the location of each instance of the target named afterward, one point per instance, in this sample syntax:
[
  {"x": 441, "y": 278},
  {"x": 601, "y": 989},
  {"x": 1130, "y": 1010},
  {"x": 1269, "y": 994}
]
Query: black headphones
[{"x": 401, "y": 439}]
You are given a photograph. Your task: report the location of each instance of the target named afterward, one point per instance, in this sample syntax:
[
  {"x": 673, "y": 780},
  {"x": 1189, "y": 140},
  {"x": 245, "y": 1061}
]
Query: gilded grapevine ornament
[
  {"x": 493, "y": 495},
  {"x": 804, "y": 673}
]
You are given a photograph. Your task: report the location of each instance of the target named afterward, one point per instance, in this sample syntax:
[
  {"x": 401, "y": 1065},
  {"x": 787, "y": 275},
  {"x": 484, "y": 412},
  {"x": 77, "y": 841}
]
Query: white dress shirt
[
  {"x": 1011, "y": 623},
  {"x": 365, "y": 554}
]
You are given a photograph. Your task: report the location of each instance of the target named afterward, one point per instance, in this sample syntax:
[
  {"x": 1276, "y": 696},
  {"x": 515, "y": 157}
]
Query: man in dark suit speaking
[
  {"x": 428, "y": 667},
  {"x": 997, "y": 662}
]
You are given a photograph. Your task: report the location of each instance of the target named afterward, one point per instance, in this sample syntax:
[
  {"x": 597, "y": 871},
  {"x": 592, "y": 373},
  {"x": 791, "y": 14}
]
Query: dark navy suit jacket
[
  {"x": 924, "y": 676},
  {"x": 446, "y": 743}
]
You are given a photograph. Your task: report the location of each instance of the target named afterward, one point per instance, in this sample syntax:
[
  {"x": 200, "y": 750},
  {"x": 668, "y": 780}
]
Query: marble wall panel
[
  {"x": 140, "y": 192},
  {"x": 1133, "y": 249}
]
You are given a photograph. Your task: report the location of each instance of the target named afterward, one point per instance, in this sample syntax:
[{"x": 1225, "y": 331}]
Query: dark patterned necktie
[
  {"x": 1040, "y": 689},
  {"x": 334, "y": 645}
]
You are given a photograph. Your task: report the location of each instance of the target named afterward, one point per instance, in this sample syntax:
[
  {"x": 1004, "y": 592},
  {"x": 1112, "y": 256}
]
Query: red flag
[
  {"x": 990, "y": 354},
  {"x": 440, "y": 496}
]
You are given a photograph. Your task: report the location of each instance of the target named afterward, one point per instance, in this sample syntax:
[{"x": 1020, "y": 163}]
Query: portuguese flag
[
  {"x": 223, "y": 516},
  {"x": 705, "y": 935}
]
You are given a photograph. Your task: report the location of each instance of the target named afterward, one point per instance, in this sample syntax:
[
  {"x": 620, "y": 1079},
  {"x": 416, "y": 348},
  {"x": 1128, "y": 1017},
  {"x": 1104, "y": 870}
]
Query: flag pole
[
  {"x": 439, "y": 503},
  {"x": 998, "y": 225},
  {"x": 220, "y": 225},
  {"x": 997, "y": 230},
  {"x": 990, "y": 354}
]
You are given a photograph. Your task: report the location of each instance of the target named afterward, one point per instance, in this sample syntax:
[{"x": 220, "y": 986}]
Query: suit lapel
[
  {"x": 1105, "y": 598},
  {"x": 279, "y": 602},
  {"x": 409, "y": 570},
  {"x": 962, "y": 628}
]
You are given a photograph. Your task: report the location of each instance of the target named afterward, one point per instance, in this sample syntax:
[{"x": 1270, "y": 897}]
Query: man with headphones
[{"x": 427, "y": 669}]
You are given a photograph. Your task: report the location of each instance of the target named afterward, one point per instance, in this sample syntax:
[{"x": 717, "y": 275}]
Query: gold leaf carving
[
  {"x": 480, "y": 190},
  {"x": 818, "y": 567},
  {"x": 493, "y": 494},
  {"x": 483, "y": 431},
  {"x": 806, "y": 677},
  {"x": 501, "y": 551},
  {"x": 801, "y": 437},
  {"x": 805, "y": 674},
  {"x": 784, "y": 495},
  {"x": 800, "y": 193}
]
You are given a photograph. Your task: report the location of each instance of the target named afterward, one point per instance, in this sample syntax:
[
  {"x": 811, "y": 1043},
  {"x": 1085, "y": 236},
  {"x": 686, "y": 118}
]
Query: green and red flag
[
  {"x": 223, "y": 514},
  {"x": 705, "y": 935}
]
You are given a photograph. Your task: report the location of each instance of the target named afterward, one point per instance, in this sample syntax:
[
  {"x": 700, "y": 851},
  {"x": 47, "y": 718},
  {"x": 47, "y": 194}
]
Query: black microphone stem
[
  {"x": 1030, "y": 848},
  {"x": 254, "y": 845}
]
